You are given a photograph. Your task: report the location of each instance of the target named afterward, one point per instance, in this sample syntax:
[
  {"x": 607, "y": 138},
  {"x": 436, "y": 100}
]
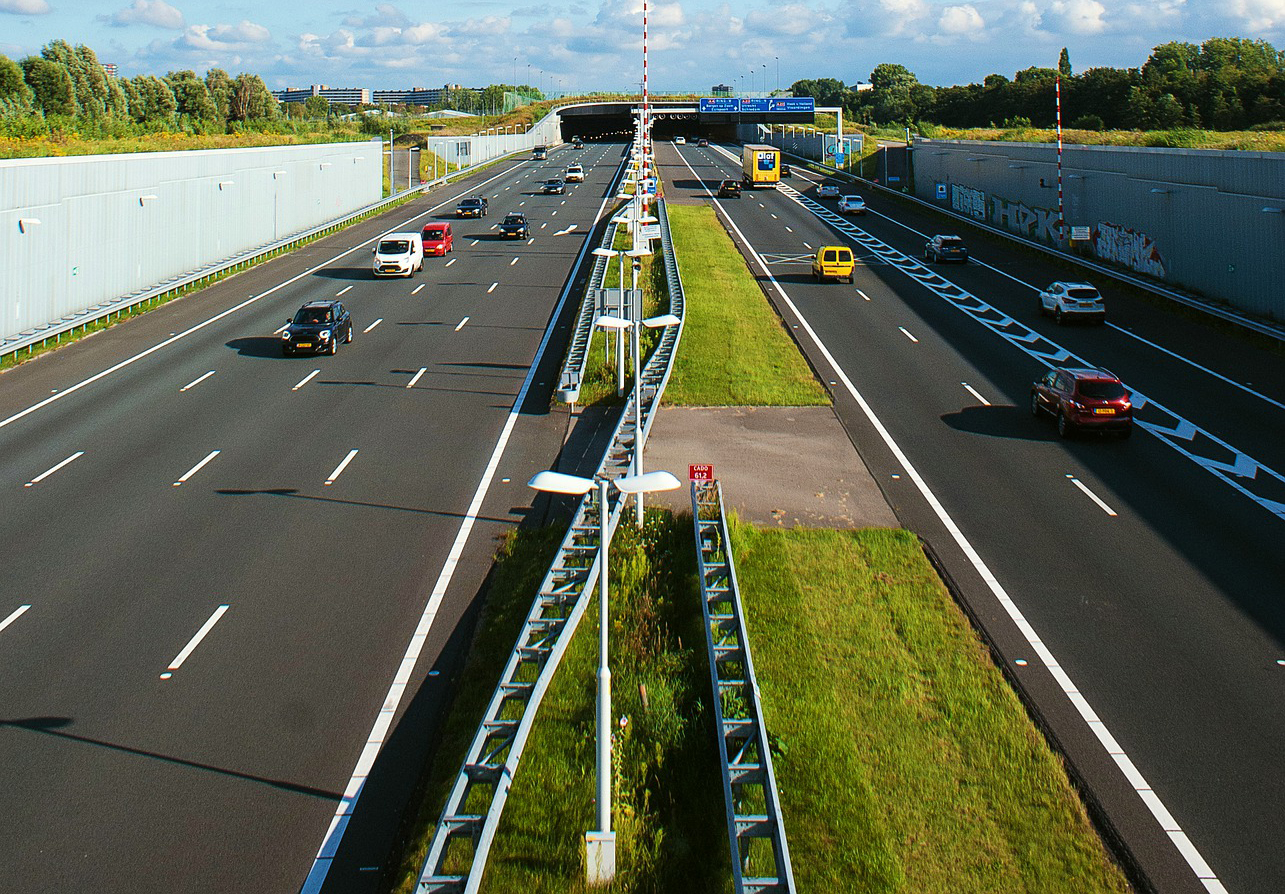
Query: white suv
[{"x": 1073, "y": 300}]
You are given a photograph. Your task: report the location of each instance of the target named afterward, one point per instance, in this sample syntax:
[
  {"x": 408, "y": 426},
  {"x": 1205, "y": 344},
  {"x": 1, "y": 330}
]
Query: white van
[{"x": 399, "y": 254}]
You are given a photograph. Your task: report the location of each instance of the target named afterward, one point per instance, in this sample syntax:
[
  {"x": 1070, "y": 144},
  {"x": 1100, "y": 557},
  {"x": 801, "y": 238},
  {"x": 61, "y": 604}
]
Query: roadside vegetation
[{"x": 904, "y": 759}]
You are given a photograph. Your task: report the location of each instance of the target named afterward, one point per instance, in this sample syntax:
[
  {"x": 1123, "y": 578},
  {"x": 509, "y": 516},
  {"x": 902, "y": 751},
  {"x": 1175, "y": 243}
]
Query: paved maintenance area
[{"x": 779, "y": 466}]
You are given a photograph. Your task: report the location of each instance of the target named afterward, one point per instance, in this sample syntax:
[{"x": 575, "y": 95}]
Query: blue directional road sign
[
  {"x": 721, "y": 104},
  {"x": 755, "y": 104},
  {"x": 792, "y": 104}
]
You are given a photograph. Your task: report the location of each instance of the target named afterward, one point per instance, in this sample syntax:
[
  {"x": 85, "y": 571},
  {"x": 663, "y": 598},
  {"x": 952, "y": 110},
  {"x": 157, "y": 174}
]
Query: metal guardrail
[
  {"x": 117, "y": 306},
  {"x": 573, "y": 365},
  {"x": 462, "y": 840},
  {"x": 749, "y": 783}
]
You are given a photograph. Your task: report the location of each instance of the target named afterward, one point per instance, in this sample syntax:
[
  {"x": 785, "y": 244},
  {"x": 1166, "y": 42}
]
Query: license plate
[
  {"x": 303, "y": 344},
  {"x": 1103, "y": 411}
]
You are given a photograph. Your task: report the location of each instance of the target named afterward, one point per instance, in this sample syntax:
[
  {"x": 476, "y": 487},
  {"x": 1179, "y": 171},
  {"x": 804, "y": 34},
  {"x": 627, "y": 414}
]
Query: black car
[
  {"x": 729, "y": 189},
  {"x": 578, "y": 144},
  {"x": 317, "y": 328},
  {"x": 700, "y": 144},
  {"x": 786, "y": 172},
  {"x": 946, "y": 248},
  {"x": 473, "y": 206},
  {"x": 554, "y": 187},
  {"x": 515, "y": 225}
]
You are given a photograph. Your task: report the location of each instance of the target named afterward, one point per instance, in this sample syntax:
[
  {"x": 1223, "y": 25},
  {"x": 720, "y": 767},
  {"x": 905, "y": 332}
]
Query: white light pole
[
  {"x": 600, "y": 844},
  {"x": 411, "y": 168},
  {"x": 610, "y": 253}
]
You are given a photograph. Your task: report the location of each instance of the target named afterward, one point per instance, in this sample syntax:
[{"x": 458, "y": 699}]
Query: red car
[
  {"x": 1084, "y": 400},
  {"x": 438, "y": 238}
]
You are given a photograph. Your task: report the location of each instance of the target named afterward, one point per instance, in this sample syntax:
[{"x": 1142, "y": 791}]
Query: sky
[{"x": 586, "y": 45}]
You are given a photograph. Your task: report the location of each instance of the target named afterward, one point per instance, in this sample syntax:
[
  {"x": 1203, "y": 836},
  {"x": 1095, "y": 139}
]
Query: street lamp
[
  {"x": 411, "y": 167},
  {"x": 620, "y": 373},
  {"x": 600, "y": 844},
  {"x": 619, "y": 323}
]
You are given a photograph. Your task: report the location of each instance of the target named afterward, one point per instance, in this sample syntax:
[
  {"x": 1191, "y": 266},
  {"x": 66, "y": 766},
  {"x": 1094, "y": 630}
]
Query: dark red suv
[{"x": 1083, "y": 399}]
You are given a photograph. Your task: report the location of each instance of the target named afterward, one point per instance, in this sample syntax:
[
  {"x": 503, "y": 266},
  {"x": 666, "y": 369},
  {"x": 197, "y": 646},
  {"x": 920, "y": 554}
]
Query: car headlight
[
  {"x": 325, "y": 334},
  {"x": 285, "y": 336}
]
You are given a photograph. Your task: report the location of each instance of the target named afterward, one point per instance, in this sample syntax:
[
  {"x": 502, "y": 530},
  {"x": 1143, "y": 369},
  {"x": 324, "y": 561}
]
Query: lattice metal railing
[
  {"x": 756, "y": 834},
  {"x": 462, "y": 840}
]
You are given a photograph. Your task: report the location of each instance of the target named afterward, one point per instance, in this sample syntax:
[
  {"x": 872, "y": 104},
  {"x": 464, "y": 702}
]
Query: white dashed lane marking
[
  {"x": 305, "y": 380},
  {"x": 45, "y": 474},
  {"x": 196, "y": 468},
  {"x": 195, "y": 382},
  {"x": 194, "y": 642},
  {"x": 343, "y": 290},
  {"x": 1091, "y": 495},
  {"x": 372, "y": 325},
  {"x": 16, "y": 614},
  {"x": 339, "y": 469},
  {"x": 415, "y": 378},
  {"x": 415, "y": 291},
  {"x": 973, "y": 391},
  {"x": 461, "y": 325},
  {"x": 907, "y": 334}
]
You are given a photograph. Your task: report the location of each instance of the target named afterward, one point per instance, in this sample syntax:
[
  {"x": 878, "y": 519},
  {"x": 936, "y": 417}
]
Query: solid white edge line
[
  {"x": 1145, "y": 792},
  {"x": 305, "y": 380},
  {"x": 17, "y": 613},
  {"x": 973, "y": 391},
  {"x": 372, "y": 325},
  {"x": 45, "y": 474},
  {"x": 194, "y": 642},
  {"x": 1092, "y": 496},
  {"x": 195, "y": 382},
  {"x": 196, "y": 468},
  {"x": 339, "y": 469},
  {"x": 415, "y": 378},
  {"x": 383, "y": 720},
  {"x": 214, "y": 319},
  {"x": 461, "y": 325}
]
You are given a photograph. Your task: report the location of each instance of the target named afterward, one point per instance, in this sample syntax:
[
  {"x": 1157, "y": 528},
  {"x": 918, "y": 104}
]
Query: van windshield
[{"x": 394, "y": 246}]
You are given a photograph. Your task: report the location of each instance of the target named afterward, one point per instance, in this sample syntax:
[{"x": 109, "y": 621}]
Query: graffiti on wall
[
  {"x": 967, "y": 200},
  {"x": 1035, "y": 223},
  {"x": 1134, "y": 250}
]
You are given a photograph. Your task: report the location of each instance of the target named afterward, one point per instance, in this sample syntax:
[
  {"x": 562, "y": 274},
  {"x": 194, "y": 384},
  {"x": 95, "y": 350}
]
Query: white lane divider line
[
  {"x": 1092, "y": 496},
  {"x": 461, "y": 325},
  {"x": 196, "y": 468},
  {"x": 195, "y": 382},
  {"x": 194, "y": 642},
  {"x": 339, "y": 469},
  {"x": 908, "y": 335},
  {"x": 520, "y": 204},
  {"x": 512, "y": 262},
  {"x": 774, "y": 217},
  {"x": 305, "y": 380},
  {"x": 863, "y": 294},
  {"x": 476, "y": 241},
  {"x": 973, "y": 391},
  {"x": 554, "y": 214},
  {"x": 372, "y": 325},
  {"x": 790, "y": 229},
  {"x": 411, "y": 384},
  {"x": 43, "y": 475},
  {"x": 494, "y": 286},
  {"x": 416, "y": 290},
  {"x": 545, "y": 224},
  {"x": 531, "y": 241},
  {"x": 570, "y": 229},
  {"x": 807, "y": 245},
  {"x": 343, "y": 290},
  {"x": 17, "y": 613},
  {"x": 451, "y": 261}
]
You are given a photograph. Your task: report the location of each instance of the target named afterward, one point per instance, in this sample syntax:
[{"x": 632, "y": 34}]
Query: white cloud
[
  {"x": 148, "y": 12},
  {"x": 1077, "y": 16},
  {"x": 385, "y": 15},
  {"x": 1260, "y": 15},
  {"x": 25, "y": 7},
  {"x": 961, "y": 20}
]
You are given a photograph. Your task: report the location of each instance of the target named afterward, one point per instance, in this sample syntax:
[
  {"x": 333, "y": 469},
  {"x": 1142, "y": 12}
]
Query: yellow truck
[{"x": 760, "y": 166}]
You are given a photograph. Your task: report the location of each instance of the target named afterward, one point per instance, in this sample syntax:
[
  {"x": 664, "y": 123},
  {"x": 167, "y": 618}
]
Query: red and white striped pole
[
  {"x": 644, "y": 122},
  {"x": 1061, "y": 216}
]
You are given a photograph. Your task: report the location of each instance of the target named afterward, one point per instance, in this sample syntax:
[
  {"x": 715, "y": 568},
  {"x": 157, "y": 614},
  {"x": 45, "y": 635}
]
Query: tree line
[
  {"x": 66, "y": 87},
  {"x": 1225, "y": 83}
]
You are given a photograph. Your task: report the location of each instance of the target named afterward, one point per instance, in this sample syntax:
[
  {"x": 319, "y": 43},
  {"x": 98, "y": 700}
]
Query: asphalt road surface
[
  {"x": 1134, "y": 589},
  {"x": 231, "y": 579}
]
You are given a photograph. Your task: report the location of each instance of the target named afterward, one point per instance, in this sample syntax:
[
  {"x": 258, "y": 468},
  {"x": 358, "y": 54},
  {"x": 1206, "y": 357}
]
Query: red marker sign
[{"x": 700, "y": 472}]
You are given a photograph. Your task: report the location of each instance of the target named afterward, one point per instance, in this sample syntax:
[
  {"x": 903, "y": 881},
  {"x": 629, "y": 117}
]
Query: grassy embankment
[{"x": 905, "y": 761}]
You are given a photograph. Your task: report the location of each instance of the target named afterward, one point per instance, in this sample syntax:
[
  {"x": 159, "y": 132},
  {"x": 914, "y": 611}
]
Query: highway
[
  {"x": 1135, "y": 590},
  {"x": 217, "y": 559}
]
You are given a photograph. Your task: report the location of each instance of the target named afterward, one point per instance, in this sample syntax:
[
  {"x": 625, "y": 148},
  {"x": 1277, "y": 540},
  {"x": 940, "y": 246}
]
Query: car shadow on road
[
  {"x": 1001, "y": 422},
  {"x": 256, "y": 346},
  {"x": 344, "y": 273}
]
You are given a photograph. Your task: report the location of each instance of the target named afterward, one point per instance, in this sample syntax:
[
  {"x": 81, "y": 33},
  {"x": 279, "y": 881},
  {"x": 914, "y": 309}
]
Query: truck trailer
[{"x": 760, "y": 166}]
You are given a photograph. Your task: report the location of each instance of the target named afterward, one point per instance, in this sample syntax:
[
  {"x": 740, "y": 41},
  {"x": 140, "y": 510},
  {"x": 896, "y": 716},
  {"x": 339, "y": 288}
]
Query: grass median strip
[{"x": 735, "y": 350}]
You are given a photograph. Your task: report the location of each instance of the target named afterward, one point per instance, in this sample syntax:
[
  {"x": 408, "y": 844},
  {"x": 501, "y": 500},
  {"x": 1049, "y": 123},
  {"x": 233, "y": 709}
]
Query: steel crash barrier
[
  {"x": 744, "y": 752},
  {"x": 464, "y": 833}
]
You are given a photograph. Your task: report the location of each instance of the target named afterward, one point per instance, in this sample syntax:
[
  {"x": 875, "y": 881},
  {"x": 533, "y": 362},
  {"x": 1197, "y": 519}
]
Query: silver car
[
  {"x": 1073, "y": 301},
  {"x": 827, "y": 191},
  {"x": 852, "y": 205}
]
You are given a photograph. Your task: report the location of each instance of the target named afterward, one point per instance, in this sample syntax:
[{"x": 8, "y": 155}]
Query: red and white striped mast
[
  {"x": 1061, "y": 216},
  {"x": 644, "y": 122}
]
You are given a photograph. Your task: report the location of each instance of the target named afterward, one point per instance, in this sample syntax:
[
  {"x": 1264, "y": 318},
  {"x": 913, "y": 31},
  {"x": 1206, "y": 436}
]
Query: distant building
[
  {"x": 720, "y": 90},
  {"x": 420, "y": 96},
  {"x": 110, "y": 68},
  {"x": 348, "y": 96}
]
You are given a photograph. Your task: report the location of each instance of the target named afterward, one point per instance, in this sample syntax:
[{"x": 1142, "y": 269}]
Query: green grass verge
[
  {"x": 905, "y": 760},
  {"x": 735, "y": 350}
]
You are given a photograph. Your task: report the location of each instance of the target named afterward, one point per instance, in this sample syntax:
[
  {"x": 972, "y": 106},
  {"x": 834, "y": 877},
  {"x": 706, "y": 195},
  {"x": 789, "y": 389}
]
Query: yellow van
[{"x": 833, "y": 261}]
